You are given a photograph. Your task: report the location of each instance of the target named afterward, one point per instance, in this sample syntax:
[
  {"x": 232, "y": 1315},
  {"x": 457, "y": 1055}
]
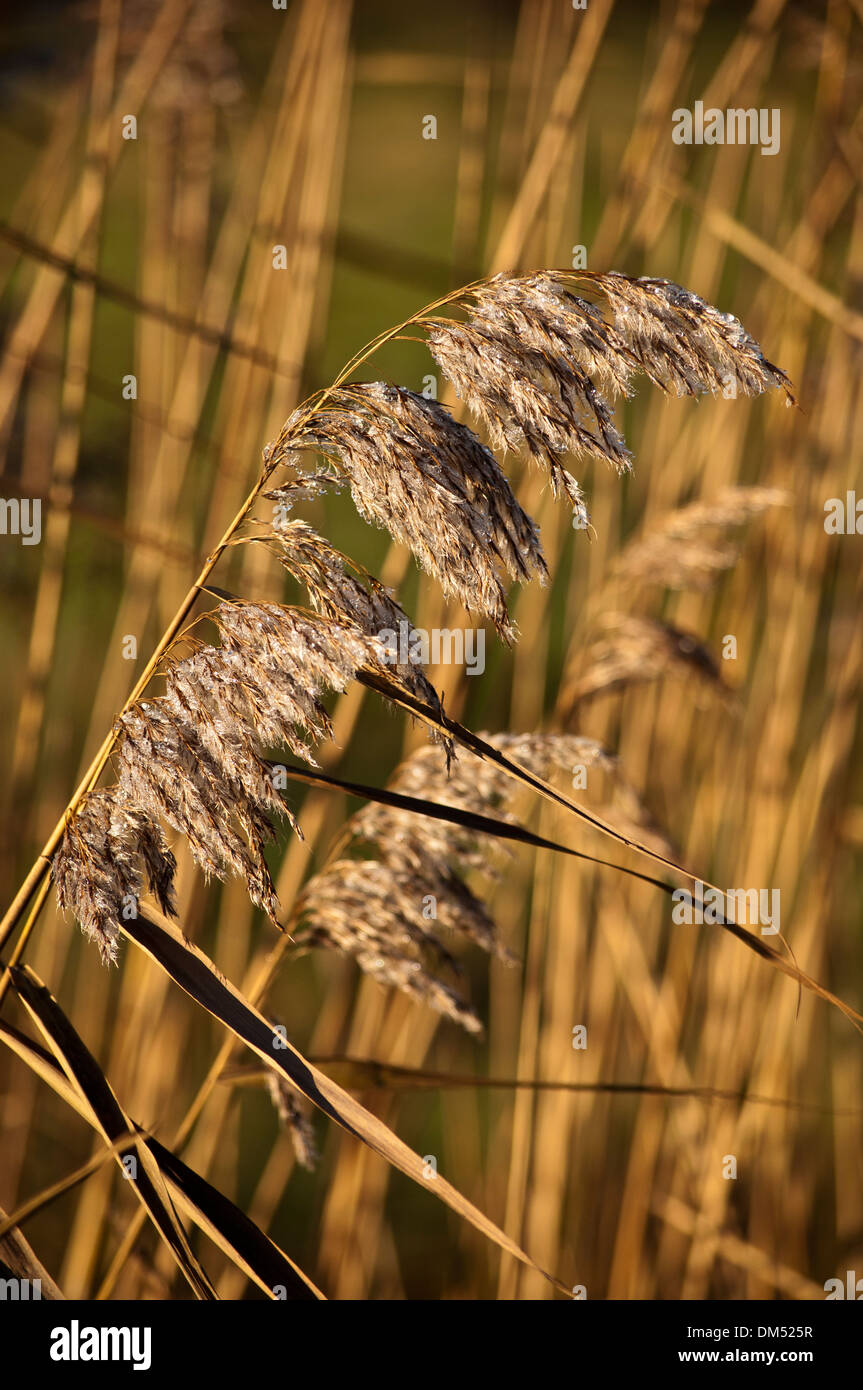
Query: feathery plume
[
  {"x": 294, "y": 1118},
  {"x": 521, "y": 364},
  {"x": 525, "y": 358},
  {"x": 342, "y": 590},
  {"x": 194, "y": 758},
  {"x": 680, "y": 551},
  {"x": 430, "y": 482},
  {"x": 682, "y": 343},
  {"x": 283, "y": 659},
  {"x": 166, "y": 769},
  {"x": 98, "y": 866},
  {"x": 632, "y": 649},
  {"x": 372, "y": 912},
  {"x": 385, "y": 912}
]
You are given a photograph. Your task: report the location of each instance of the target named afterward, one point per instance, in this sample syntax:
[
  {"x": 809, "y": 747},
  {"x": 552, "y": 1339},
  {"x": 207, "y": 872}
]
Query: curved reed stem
[
  {"x": 39, "y": 870},
  {"x": 519, "y": 332}
]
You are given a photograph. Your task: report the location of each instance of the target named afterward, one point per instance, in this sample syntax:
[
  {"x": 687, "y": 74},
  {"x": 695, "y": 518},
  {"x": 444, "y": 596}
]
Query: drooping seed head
[
  {"x": 110, "y": 850},
  {"x": 430, "y": 482}
]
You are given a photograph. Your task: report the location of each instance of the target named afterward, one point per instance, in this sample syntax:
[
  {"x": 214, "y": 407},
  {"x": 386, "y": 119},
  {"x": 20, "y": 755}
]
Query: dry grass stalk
[{"x": 203, "y": 72}]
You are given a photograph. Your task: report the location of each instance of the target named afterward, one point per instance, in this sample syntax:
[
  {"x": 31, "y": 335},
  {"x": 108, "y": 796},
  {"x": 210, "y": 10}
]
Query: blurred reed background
[{"x": 153, "y": 257}]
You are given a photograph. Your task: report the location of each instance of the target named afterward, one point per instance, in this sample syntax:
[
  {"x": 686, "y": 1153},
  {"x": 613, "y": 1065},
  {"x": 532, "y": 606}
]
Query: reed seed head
[
  {"x": 294, "y": 1118},
  {"x": 685, "y": 345},
  {"x": 373, "y": 912},
  {"x": 110, "y": 850},
  {"x": 386, "y": 912},
  {"x": 430, "y": 482},
  {"x": 345, "y": 593},
  {"x": 629, "y": 649},
  {"x": 194, "y": 758},
  {"x": 683, "y": 550}
]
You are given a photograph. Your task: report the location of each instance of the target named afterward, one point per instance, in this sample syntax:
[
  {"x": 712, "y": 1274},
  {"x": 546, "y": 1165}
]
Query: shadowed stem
[{"x": 21, "y": 943}]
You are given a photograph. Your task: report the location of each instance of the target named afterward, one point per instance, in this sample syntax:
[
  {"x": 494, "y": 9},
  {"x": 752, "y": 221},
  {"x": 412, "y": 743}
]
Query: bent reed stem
[{"x": 41, "y": 867}]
